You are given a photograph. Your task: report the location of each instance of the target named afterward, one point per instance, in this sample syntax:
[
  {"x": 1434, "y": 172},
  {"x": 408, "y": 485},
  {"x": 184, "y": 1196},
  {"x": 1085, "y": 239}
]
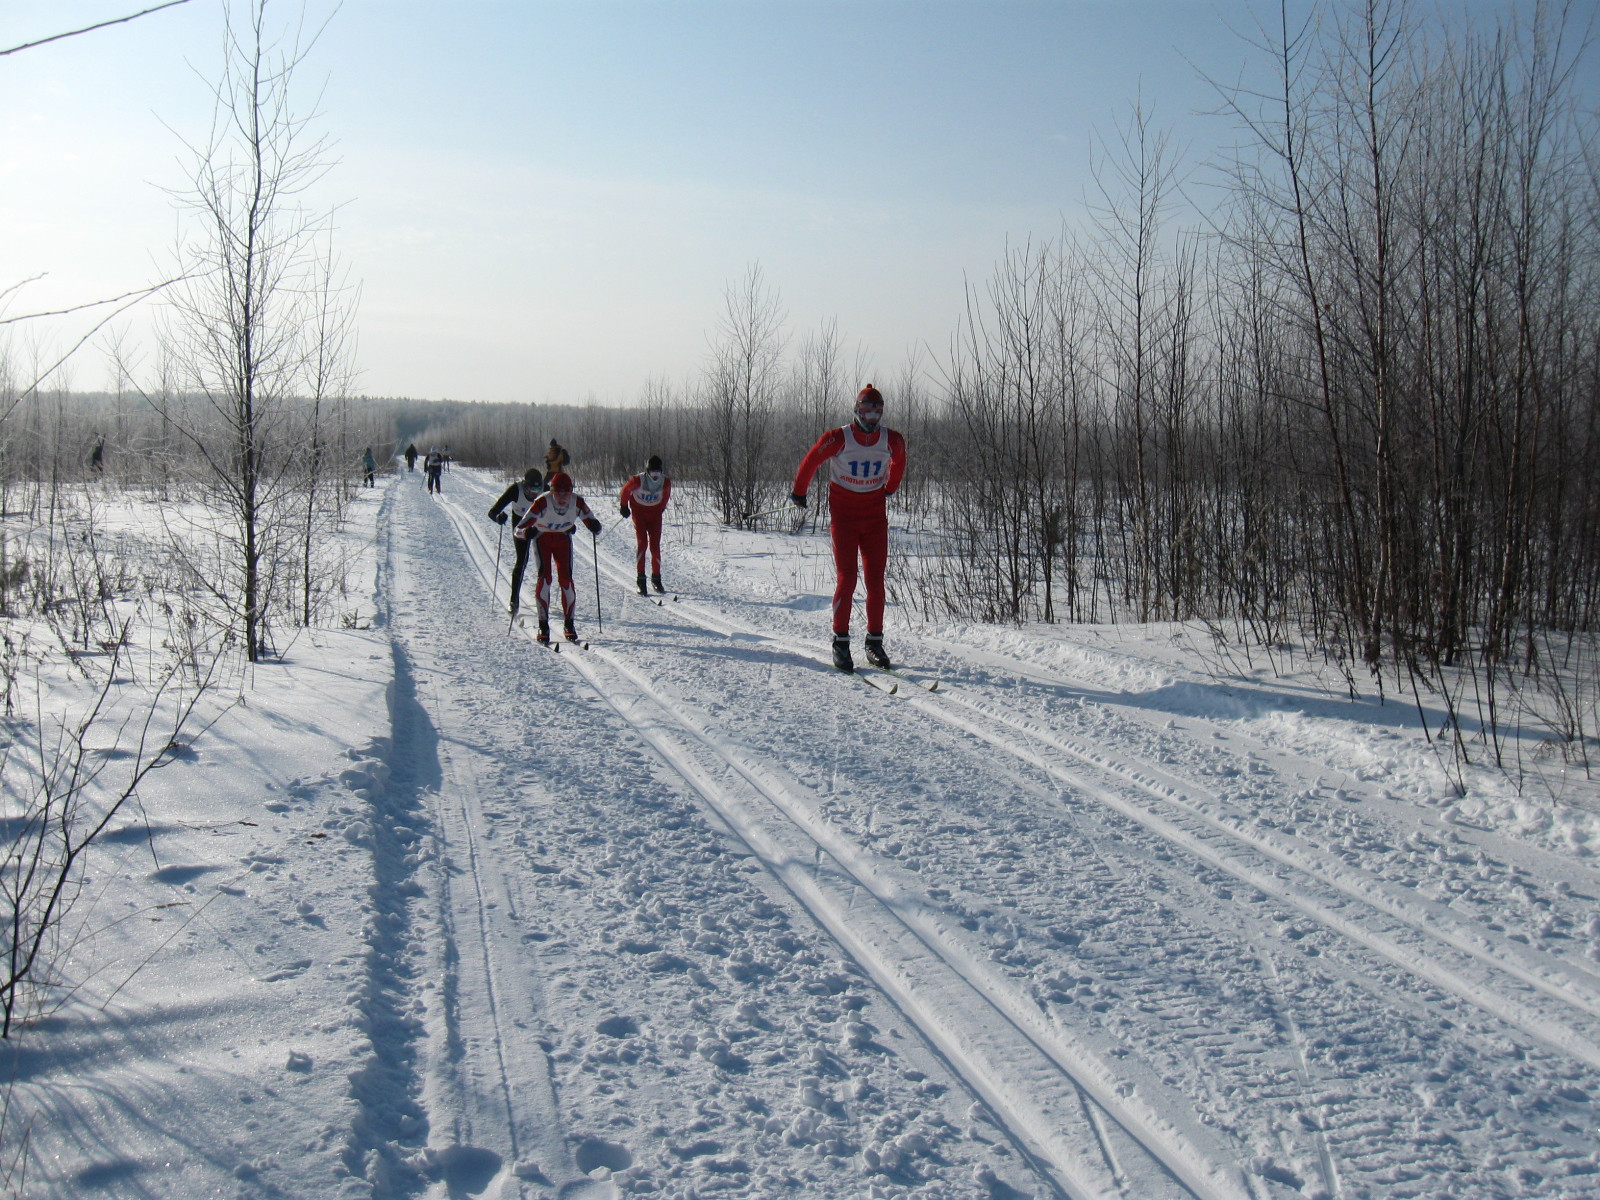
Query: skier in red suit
[
  {"x": 645, "y": 497},
  {"x": 866, "y": 461},
  {"x": 551, "y": 520}
]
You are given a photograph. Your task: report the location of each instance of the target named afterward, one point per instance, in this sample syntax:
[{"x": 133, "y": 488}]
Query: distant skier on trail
[
  {"x": 645, "y": 497},
  {"x": 411, "y": 456},
  {"x": 866, "y": 460},
  {"x": 431, "y": 467},
  {"x": 550, "y": 522},
  {"x": 555, "y": 459},
  {"x": 368, "y": 466},
  {"x": 517, "y": 498}
]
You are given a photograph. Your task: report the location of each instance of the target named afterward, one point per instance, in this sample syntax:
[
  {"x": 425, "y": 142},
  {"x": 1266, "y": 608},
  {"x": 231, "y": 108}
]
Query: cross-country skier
[
  {"x": 431, "y": 467},
  {"x": 368, "y": 466},
  {"x": 517, "y": 498},
  {"x": 866, "y": 460},
  {"x": 645, "y": 496},
  {"x": 411, "y": 456},
  {"x": 555, "y": 459},
  {"x": 550, "y": 522}
]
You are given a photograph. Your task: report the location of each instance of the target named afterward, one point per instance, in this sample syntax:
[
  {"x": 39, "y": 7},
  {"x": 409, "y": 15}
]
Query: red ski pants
[
  {"x": 555, "y": 549},
  {"x": 647, "y": 532},
  {"x": 866, "y": 538}
]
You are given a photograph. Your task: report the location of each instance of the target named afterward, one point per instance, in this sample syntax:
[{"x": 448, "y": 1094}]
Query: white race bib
[{"x": 858, "y": 468}]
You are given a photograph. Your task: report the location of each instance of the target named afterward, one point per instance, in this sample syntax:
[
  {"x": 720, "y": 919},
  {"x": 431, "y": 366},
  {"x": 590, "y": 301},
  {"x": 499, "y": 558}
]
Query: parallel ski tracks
[
  {"x": 488, "y": 1087},
  {"x": 1572, "y": 983},
  {"x": 1071, "y": 1107},
  {"x": 1524, "y": 990},
  {"x": 1499, "y": 977}
]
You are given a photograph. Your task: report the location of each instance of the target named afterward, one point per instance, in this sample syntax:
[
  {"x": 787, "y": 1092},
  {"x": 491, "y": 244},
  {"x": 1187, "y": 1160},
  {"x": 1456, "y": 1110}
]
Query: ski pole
[
  {"x": 594, "y": 553},
  {"x": 499, "y": 542},
  {"x": 770, "y": 512}
]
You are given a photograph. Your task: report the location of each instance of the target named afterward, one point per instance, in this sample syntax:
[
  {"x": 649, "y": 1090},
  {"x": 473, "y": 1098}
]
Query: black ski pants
[{"x": 518, "y": 566}]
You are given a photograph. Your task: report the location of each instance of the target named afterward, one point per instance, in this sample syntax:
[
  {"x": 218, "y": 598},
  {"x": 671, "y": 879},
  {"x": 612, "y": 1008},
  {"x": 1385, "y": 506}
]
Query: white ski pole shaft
[{"x": 594, "y": 553}]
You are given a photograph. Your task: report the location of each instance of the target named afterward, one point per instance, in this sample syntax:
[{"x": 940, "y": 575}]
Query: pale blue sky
[{"x": 544, "y": 201}]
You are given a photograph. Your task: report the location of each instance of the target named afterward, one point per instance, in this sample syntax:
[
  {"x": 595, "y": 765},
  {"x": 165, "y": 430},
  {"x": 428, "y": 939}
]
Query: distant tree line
[{"x": 1355, "y": 409}]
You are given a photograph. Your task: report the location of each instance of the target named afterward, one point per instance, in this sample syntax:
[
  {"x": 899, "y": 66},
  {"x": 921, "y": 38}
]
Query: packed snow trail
[
  {"x": 1206, "y": 826},
  {"x": 1174, "y": 927},
  {"x": 595, "y": 927},
  {"x": 995, "y": 1037}
]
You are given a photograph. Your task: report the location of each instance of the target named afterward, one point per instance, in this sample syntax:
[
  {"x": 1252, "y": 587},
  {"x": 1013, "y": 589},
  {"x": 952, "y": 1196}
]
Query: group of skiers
[
  {"x": 433, "y": 465},
  {"x": 544, "y": 516},
  {"x": 865, "y": 460}
]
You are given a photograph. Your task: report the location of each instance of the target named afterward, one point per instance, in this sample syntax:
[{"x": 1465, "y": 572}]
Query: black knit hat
[{"x": 654, "y": 464}]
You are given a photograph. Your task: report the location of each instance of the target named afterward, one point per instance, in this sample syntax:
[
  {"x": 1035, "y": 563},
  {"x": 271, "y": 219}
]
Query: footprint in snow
[
  {"x": 464, "y": 1169},
  {"x": 593, "y": 1154},
  {"x": 618, "y": 1027},
  {"x": 178, "y": 875}
]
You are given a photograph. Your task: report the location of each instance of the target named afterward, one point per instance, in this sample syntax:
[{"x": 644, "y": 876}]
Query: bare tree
[
  {"x": 329, "y": 373},
  {"x": 819, "y": 392},
  {"x": 237, "y": 321},
  {"x": 66, "y": 802},
  {"x": 741, "y": 393}
]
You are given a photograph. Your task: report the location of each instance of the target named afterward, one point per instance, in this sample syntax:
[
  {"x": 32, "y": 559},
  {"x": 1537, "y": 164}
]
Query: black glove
[
  {"x": 624, "y": 510},
  {"x": 500, "y": 518},
  {"x": 798, "y": 498},
  {"x": 594, "y": 525}
]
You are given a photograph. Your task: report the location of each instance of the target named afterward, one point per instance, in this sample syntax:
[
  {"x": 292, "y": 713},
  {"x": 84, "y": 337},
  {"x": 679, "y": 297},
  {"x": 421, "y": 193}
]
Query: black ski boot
[
  {"x": 544, "y": 633},
  {"x": 875, "y": 652},
  {"x": 569, "y": 632},
  {"x": 841, "y": 652},
  {"x": 655, "y": 582},
  {"x": 643, "y": 591}
]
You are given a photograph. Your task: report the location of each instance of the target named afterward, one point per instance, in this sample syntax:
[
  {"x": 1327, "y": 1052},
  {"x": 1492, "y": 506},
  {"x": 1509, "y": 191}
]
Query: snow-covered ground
[{"x": 687, "y": 913}]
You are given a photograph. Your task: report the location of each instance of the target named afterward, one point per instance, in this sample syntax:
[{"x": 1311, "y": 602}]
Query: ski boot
[
  {"x": 569, "y": 632},
  {"x": 544, "y": 633},
  {"x": 875, "y": 652},
  {"x": 841, "y": 652},
  {"x": 643, "y": 591},
  {"x": 655, "y": 582}
]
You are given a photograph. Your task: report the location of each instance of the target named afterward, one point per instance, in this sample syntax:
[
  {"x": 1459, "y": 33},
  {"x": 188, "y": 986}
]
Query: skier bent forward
[
  {"x": 645, "y": 497},
  {"x": 865, "y": 461},
  {"x": 517, "y": 498},
  {"x": 550, "y": 522}
]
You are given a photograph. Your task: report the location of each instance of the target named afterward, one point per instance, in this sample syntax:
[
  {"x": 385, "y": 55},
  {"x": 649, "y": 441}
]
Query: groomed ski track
[
  {"x": 1423, "y": 938},
  {"x": 1094, "y": 1120},
  {"x": 1032, "y": 1082}
]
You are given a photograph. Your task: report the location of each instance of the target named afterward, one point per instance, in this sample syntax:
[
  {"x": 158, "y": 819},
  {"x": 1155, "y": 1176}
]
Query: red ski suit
[
  {"x": 858, "y": 492},
  {"x": 646, "y": 507},
  {"x": 551, "y": 526}
]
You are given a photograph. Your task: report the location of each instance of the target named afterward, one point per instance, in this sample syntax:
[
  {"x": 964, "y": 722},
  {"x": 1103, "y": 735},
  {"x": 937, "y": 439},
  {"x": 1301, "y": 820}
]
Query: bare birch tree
[
  {"x": 741, "y": 394},
  {"x": 237, "y": 322}
]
